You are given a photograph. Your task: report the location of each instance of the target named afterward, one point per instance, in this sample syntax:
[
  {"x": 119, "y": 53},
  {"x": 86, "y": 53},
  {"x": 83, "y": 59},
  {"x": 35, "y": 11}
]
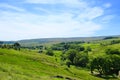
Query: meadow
[{"x": 29, "y": 64}]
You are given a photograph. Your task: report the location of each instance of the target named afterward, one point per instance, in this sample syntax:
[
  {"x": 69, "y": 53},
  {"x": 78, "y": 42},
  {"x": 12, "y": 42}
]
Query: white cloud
[
  {"x": 91, "y": 13},
  {"x": 42, "y": 10},
  {"x": 69, "y": 3},
  {"x": 78, "y": 21},
  {"x": 7, "y": 6},
  {"x": 52, "y": 1},
  {"x": 28, "y": 25},
  {"x": 107, "y": 5},
  {"x": 107, "y": 19}
]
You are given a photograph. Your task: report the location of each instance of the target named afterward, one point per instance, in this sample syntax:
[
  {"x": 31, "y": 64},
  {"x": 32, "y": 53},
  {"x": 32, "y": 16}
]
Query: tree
[
  {"x": 97, "y": 63},
  {"x": 1, "y": 42},
  {"x": 112, "y": 51},
  {"x": 81, "y": 60},
  {"x": 88, "y": 49},
  {"x": 40, "y": 51},
  {"x": 73, "y": 57},
  {"x": 107, "y": 65},
  {"x": 81, "y": 48},
  {"x": 66, "y": 46},
  {"x": 71, "y": 54},
  {"x": 68, "y": 63},
  {"x": 49, "y": 52},
  {"x": 115, "y": 42},
  {"x": 16, "y": 46},
  {"x": 77, "y": 47}
]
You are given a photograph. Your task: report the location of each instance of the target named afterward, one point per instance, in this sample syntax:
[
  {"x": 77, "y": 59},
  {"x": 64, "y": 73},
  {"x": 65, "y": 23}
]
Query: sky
[{"x": 30, "y": 19}]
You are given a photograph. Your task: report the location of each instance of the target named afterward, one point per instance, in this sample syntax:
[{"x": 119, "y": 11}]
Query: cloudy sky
[{"x": 27, "y": 19}]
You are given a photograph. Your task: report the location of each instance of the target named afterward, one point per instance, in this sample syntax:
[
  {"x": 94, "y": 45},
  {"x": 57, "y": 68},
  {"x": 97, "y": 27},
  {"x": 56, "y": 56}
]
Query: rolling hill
[
  {"x": 28, "y": 64},
  {"x": 35, "y": 42}
]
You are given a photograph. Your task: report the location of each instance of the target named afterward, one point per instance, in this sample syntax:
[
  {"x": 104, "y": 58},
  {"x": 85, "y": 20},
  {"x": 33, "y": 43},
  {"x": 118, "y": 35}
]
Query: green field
[
  {"x": 31, "y": 65},
  {"x": 24, "y": 65}
]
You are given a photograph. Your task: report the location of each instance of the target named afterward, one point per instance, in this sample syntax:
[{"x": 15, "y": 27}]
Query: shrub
[
  {"x": 49, "y": 52},
  {"x": 16, "y": 46},
  {"x": 112, "y": 51},
  {"x": 88, "y": 49}
]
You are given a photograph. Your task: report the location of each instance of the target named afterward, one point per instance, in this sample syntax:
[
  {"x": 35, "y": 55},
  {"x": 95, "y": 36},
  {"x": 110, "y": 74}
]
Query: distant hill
[
  {"x": 56, "y": 40},
  {"x": 7, "y": 42},
  {"x": 34, "y": 42},
  {"x": 46, "y": 40}
]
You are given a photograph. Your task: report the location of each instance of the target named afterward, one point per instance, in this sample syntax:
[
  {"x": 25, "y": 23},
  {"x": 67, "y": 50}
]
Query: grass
[
  {"x": 28, "y": 65},
  {"x": 31, "y": 65}
]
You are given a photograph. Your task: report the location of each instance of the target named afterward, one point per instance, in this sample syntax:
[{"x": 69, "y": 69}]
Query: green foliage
[
  {"x": 16, "y": 46},
  {"x": 110, "y": 37},
  {"x": 78, "y": 56},
  {"x": 68, "y": 63},
  {"x": 107, "y": 65},
  {"x": 81, "y": 48},
  {"x": 7, "y": 46},
  {"x": 68, "y": 46},
  {"x": 57, "y": 47},
  {"x": 1, "y": 42},
  {"x": 40, "y": 51},
  {"x": 29, "y": 65},
  {"x": 71, "y": 54},
  {"x": 88, "y": 49},
  {"x": 115, "y": 41},
  {"x": 76, "y": 47},
  {"x": 81, "y": 60},
  {"x": 112, "y": 51},
  {"x": 98, "y": 63},
  {"x": 75, "y": 58},
  {"x": 40, "y": 47},
  {"x": 49, "y": 52}
]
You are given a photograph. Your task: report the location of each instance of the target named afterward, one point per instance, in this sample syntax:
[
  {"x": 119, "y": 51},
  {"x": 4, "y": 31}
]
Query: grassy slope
[
  {"x": 98, "y": 49},
  {"x": 28, "y": 65}
]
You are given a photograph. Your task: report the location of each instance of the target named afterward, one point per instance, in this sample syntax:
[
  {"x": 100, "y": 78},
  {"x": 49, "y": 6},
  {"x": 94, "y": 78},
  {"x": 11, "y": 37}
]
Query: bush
[
  {"x": 112, "y": 51},
  {"x": 68, "y": 63},
  {"x": 49, "y": 52},
  {"x": 77, "y": 47},
  {"x": 16, "y": 46},
  {"x": 88, "y": 49}
]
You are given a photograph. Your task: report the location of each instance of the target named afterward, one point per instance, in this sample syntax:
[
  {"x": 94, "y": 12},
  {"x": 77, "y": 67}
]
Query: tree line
[
  {"x": 77, "y": 55},
  {"x": 15, "y": 46}
]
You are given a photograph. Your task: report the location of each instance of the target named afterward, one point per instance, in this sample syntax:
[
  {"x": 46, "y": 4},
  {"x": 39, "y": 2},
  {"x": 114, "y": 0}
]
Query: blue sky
[{"x": 27, "y": 19}]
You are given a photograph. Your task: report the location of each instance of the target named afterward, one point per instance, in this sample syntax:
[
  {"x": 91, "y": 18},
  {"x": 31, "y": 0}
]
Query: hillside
[
  {"x": 29, "y": 65},
  {"x": 47, "y": 41},
  {"x": 69, "y": 61},
  {"x": 44, "y": 41}
]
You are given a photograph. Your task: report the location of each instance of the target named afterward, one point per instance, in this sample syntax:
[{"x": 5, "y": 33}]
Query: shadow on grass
[{"x": 62, "y": 77}]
